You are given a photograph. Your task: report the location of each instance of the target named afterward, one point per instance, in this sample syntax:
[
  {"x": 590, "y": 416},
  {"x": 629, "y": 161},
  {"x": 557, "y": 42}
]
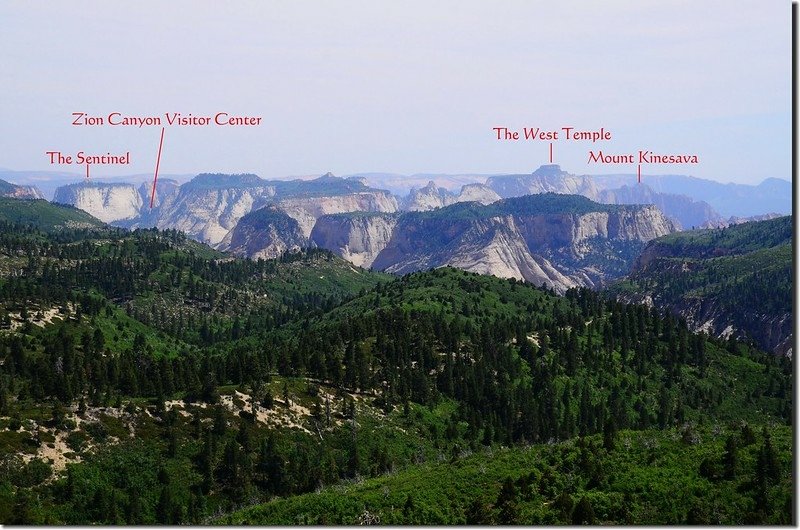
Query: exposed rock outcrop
[
  {"x": 264, "y": 233},
  {"x": 560, "y": 241},
  {"x": 16, "y": 191},
  {"x": 428, "y": 198},
  {"x": 108, "y": 202},
  {"x": 477, "y": 193},
  {"x": 209, "y": 206},
  {"x": 357, "y": 237},
  {"x": 306, "y": 210},
  {"x": 547, "y": 179},
  {"x": 164, "y": 188},
  {"x": 683, "y": 210}
]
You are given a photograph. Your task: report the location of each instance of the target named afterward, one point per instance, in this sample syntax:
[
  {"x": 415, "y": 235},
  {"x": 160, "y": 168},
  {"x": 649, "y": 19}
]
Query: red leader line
[
  {"x": 551, "y": 152},
  {"x": 640, "y": 173},
  {"x": 87, "y": 170},
  {"x": 155, "y": 176}
]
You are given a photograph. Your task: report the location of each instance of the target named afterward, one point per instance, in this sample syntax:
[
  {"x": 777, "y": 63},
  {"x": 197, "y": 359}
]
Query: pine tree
[
  {"x": 478, "y": 513},
  {"x": 609, "y": 433},
  {"x": 165, "y": 507},
  {"x": 270, "y": 466},
  {"x": 767, "y": 467},
  {"x": 730, "y": 458},
  {"x": 134, "y": 510},
  {"x": 220, "y": 423},
  {"x": 408, "y": 511},
  {"x": 583, "y": 512},
  {"x": 506, "y": 503}
]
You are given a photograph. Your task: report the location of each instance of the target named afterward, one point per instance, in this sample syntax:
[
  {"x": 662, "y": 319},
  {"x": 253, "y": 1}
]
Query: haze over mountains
[
  {"x": 531, "y": 227},
  {"x": 173, "y": 366}
]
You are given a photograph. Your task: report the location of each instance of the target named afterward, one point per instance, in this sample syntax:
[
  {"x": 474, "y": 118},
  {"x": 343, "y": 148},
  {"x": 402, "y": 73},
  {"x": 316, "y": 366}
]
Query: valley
[{"x": 539, "y": 359}]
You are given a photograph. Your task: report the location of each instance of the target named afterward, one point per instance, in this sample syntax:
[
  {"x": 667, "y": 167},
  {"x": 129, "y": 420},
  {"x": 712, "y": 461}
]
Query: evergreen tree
[
  {"x": 583, "y": 512},
  {"x": 506, "y": 503},
  {"x": 730, "y": 458}
]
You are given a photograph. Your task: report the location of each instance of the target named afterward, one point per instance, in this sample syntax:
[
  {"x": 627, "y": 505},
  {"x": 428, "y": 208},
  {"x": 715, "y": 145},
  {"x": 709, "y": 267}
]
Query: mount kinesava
[{"x": 549, "y": 228}]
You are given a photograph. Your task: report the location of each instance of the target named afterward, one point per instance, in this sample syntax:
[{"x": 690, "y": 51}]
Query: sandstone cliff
[
  {"x": 560, "y": 241},
  {"x": 209, "y": 206},
  {"x": 108, "y": 202},
  {"x": 306, "y": 210},
  {"x": 427, "y": 198},
  {"x": 357, "y": 237},
  {"x": 164, "y": 188},
  {"x": 548, "y": 178},
  {"x": 477, "y": 193},
  {"x": 683, "y": 210},
  {"x": 264, "y": 233},
  {"x": 430, "y": 197},
  {"x": 16, "y": 191}
]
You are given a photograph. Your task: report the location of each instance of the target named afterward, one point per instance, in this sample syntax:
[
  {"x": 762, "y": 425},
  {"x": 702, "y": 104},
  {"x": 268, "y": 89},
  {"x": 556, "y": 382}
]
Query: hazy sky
[{"x": 400, "y": 87}]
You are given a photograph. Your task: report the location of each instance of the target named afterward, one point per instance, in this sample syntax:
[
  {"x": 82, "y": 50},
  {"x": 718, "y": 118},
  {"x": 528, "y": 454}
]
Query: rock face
[
  {"x": 108, "y": 202},
  {"x": 164, "y": 188},
  {"x": 726, "y": 282},
  {"x": 15, "y": 191},
  {"x": 264, "y": 233},
  {"x": 560, "y": 241},
  {"x": 548, "y": 178},
  {"x": 734, "y": 220},
  {"x": 430, "y": 197},
  {"x": 306, "y": 210},
  {"x": 356, "y": 237},
  {"x": 490, "y": 246},
  {"x": 740, "y": 200},
  {"x": 477, "y": 193},
  {"x": 209, "y": 206},
  {"x": 687, "y": 213}
]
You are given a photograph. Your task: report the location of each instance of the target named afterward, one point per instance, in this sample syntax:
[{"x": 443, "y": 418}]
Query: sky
[{"x": 400, "y": 87}]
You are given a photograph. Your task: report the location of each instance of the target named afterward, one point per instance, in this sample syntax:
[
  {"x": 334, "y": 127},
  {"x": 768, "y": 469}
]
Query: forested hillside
[
  {"x": 145, "y": 378},
  {"x": 735, "y": 281}
]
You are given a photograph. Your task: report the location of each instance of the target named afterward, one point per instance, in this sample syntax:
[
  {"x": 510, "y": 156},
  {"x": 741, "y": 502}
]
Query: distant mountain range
[
  {"x": 740, "y": 200},
  {"x": 559, "y": 241},
  {"x": 719, "y": 279},
  {"x": 523, "y": 226}
]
